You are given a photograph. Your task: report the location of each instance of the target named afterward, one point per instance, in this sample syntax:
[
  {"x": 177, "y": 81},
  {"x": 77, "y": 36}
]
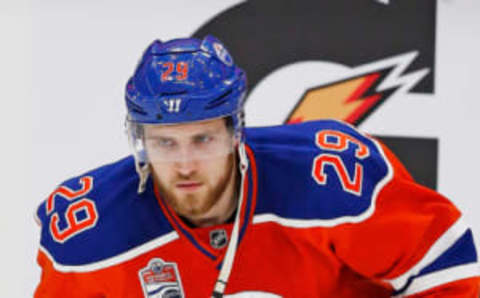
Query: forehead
[{"x": 187, "y": 129}]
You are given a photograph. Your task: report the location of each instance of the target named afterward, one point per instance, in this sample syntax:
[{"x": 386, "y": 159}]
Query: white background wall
[{"x": 63, "y": 66}]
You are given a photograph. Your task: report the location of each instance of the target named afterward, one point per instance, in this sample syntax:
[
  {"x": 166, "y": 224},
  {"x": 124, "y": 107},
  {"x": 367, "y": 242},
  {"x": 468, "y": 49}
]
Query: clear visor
[{"x": 182, "y": 142}]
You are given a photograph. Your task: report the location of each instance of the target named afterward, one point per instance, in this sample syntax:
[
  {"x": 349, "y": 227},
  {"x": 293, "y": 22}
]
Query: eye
[
  {"x": 165, "y": 142},
  {"x": 203, "y": 139}
]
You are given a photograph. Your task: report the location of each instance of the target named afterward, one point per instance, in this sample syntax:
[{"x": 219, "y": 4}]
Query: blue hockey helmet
[
  {"x": 182, "y": 81},
  {"x": 185, "y": 80}
]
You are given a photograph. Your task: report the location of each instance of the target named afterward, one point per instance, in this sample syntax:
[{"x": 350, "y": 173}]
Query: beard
[{"x": 194, "y": 204}]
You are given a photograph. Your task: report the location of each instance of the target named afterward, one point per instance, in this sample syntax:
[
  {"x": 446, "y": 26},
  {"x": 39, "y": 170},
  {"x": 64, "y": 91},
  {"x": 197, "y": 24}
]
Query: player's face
[{"x": 193, "y": 165}]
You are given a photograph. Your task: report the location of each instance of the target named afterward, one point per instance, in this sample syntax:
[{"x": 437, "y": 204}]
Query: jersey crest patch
[{"x": 161, "y": 279}]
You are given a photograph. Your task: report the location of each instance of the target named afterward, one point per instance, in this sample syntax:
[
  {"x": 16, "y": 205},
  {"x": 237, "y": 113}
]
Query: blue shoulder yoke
[
  {"x": 290, "y": 159},
  {"x": 125, "y": 218}
]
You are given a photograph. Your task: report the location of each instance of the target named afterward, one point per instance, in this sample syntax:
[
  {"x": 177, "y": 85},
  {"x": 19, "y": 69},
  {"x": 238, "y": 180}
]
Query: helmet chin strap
[{"x": 227, "y": 265}]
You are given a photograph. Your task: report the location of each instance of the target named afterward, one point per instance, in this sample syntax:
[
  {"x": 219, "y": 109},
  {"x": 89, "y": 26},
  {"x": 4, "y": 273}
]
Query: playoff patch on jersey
[{"x": 161, "y": 280}]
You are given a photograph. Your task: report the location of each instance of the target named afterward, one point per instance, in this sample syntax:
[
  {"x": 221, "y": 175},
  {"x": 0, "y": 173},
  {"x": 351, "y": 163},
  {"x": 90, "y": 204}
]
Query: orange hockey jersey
[{"x": 325, "y": 212}]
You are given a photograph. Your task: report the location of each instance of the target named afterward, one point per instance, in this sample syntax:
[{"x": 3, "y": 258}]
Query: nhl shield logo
[
  {"x": 161, "y": 280},
  {"x": 218, "y": 238}
]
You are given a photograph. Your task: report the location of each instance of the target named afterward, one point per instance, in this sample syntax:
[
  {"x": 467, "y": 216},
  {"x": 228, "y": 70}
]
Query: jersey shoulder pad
[
  {"x": 99, "y": 214},
  {"x": 325, "y": 171}
]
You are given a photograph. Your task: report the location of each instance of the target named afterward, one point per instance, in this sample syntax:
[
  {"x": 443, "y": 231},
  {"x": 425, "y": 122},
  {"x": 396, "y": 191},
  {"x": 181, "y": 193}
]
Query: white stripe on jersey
[
  {"x": 128, "y": 255},
  {"x": 437, "y": 249},
  {"x": 437, "y": 278}
]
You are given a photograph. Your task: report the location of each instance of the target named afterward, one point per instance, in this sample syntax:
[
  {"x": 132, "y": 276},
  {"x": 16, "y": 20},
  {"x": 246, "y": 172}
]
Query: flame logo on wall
[{"x": 354, "y": 98}]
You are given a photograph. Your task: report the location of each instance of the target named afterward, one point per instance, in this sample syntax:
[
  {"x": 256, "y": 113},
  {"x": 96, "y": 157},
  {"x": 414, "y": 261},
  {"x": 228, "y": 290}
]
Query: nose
[
  {"x": 185, "y": 164},
  {"x": 185, "y": 168}
]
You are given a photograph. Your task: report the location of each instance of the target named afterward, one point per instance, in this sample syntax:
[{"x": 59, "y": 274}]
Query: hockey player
[{"x": 206, "y": 208}]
